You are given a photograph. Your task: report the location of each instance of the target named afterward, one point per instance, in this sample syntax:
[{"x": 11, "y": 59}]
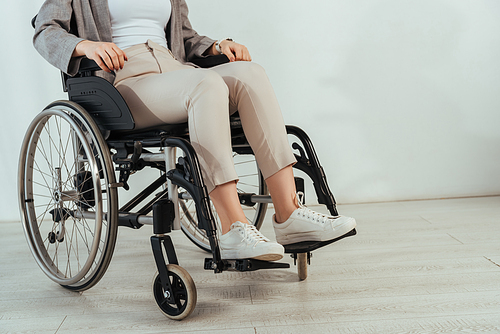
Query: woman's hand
[
  {"x": 234, "y": 51},
  {"x": 107, "y": 56}
]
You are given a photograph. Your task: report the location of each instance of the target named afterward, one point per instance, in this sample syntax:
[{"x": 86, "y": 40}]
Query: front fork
[{"x": 156, "y": 243}]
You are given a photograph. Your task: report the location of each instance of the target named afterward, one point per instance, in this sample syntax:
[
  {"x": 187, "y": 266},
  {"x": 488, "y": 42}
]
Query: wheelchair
[{"x": 76, "y": 154}]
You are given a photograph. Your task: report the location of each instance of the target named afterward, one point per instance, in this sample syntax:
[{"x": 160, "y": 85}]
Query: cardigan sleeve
[
  {"x": 194, "y": 44},
  {"x": 53, "y": 39}
]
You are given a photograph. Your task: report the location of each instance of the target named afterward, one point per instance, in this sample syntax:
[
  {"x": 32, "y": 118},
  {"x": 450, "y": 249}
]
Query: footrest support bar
[{"x": 245, "y": 265}]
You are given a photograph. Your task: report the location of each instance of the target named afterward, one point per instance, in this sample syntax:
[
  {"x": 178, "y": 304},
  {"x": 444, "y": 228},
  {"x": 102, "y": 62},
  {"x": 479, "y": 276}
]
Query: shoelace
[
  {"x": 252, "y": 235},
  {"x": 312, "y": 216}
]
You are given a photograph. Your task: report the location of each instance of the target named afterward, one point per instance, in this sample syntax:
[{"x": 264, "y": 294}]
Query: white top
[{"x": 134, "y": 22}]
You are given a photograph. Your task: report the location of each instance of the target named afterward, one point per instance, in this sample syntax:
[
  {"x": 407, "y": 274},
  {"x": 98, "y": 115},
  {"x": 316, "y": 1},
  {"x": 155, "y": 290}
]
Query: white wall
[{"x": 400, "y": 97}]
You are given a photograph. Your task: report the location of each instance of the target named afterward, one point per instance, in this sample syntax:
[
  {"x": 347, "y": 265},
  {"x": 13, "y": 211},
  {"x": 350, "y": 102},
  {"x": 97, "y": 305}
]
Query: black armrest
[
  {"x": 87, "y": 65},
  {"x": 210, "y": 61}
]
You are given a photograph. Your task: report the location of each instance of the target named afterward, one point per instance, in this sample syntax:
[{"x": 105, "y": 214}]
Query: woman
[{"x": 149, "y": 44}]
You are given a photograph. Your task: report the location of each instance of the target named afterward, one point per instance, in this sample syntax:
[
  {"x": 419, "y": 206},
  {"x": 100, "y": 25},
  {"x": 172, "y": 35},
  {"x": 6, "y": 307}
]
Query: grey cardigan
[{"x": 62, "y": 24}]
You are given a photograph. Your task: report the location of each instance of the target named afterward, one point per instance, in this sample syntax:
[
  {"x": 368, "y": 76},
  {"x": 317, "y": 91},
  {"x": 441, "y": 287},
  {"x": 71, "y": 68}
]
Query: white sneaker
[
  {"x": 307, "y": 225},
  {"x": 244, "y": 241}
]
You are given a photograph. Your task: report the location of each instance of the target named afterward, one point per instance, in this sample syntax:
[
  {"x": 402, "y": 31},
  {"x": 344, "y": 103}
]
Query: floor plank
[{"x": 414, "y": 267}]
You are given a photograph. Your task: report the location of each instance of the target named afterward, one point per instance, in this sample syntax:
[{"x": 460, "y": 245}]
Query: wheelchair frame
[{"x": 98, "y": 109}]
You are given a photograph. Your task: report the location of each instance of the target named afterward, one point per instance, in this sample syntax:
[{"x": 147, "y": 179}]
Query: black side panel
[
  {"x": 101, "y": 100},
  {"x": 210, "y": 61}
]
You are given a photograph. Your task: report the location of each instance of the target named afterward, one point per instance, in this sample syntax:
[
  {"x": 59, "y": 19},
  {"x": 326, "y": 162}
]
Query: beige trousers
[{"x": 159, "y": 89}]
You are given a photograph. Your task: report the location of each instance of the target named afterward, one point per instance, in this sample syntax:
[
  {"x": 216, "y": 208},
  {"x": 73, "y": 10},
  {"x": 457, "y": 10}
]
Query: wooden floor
[{"x": 414, "y": 267}]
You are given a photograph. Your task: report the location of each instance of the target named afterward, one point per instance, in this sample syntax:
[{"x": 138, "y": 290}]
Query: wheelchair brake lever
[{"x": 185, "y": 167}]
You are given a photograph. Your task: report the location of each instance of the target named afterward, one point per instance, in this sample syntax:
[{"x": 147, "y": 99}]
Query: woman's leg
[
  {"x": 251, "y": 93},
  {"x": 281, "y": 186},
  {"x": 227, "y": 203},
  {"x": 203, "y": 102},
  {"x": 197, "y": 96},
  {"x": 200, "y": 97}
]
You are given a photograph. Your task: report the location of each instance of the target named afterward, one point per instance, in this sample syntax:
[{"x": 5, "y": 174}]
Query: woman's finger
[
  {"x": 239, "y": 53},
  {"x": 246, "y": 54},
  {"x": 121, "y": 56},
  {"x": 101, "y": 64},
  {"x": 107, "y": 61},
  {"x": 115, "y": 58},
  {"x": 229, "y": 53}
]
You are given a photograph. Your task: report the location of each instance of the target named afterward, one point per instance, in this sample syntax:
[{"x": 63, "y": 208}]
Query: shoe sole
[
  {"x": 268, "y": 257},
  {"x": 296, "y": 238}
]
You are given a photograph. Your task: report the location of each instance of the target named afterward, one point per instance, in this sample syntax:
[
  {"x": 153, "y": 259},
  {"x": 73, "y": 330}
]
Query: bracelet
[{"x": 217, "y": 44}]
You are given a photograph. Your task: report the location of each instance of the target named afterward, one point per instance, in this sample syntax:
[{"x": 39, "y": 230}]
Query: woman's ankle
[
  {"x": 283, "y": 212},
  {"x": 282, "y": 216},
  {"x": 225, "y": 228}
]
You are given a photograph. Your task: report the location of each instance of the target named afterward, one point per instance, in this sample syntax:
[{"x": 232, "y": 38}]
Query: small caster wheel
[
  {"x": 52, "y": 237},
  {"x": 302, "y": 265},
  {"x": 183, "y": 290}
]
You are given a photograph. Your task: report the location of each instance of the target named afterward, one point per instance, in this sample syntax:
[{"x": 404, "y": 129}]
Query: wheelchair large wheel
[
  {"x": 251, "y": 181},
  {"x": 68, "y": 208}
]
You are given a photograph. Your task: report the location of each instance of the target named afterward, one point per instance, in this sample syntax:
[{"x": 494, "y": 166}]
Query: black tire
[{"x": 68, "y": 210}]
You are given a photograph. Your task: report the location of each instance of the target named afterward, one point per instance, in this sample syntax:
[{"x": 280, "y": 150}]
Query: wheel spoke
[
  {"x": 86, "y": 229},
  {"x": 54, "y": 145},
  {"x": 44, "y": 154},
  {"x": 164, "y": 301},
  {"x": 50, "y": 146},
  {"x": 43, "y": 214},
  {"x": 46, "y": 183},
  {"x": 177, "y": 290},
  {"x": 40, "y": 195},
  {"x": 65, "y": 150},
  {"x": 178, "y": 303}
]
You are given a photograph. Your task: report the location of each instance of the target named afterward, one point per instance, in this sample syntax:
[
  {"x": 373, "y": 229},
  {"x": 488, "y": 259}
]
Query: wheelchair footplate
[
  {"x": 301, "y": 252},
  {"x": 309, "y": 246},
  {"x": 245, "y": 265}
]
